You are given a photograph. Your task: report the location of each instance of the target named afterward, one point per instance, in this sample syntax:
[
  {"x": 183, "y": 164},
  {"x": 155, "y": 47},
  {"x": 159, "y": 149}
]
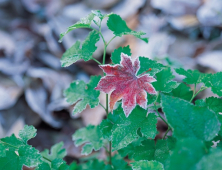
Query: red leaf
[{"x": 121, "y": 79}]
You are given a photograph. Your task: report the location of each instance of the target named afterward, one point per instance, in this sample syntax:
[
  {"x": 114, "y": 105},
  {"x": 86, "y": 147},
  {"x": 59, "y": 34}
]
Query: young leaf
[
  {"x": 124, "y": 130},
  {"x": 59, "y": 164},
  {"x": 164, "y": 81},
  {"x": 146, "y": 64},
  {"x": 83, "y": 23},
  {"x": 121, "y": 79},
  {"x": 27, "y": 133},
  {"x": 83, "y": 94},
  {"x": 188, "y": 120},
  {"x": 215, "y": 82},
  {"x": 116, "y": 54},
  {"x": 147, "y": 165},
  {"x": 192, "y": 76},
  {"x": 56, "y": 152},
  {"x": 182, "y": 91},
  {"x": 116, "y": 24},
  {"x": 76, "y": 53},
  {"x": 100, "y": 15},
  {"x": 90, "y": 135}
]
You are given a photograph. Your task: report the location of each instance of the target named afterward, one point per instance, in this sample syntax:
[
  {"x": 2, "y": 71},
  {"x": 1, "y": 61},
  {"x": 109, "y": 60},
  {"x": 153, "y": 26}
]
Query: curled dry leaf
[{"x": 122, "y": 80}]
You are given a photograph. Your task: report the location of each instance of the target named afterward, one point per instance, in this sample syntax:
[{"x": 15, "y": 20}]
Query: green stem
[
  {"x": 104, "y": 55},
  {"x": 110, "y": 153},
  {"x": 166, "y": 132},
  {"x": 102, "y": 106},
  {"x": 96, "y": 61},
  {"x": 110, "y": 40},
  {"x": 194, "y": 95}
]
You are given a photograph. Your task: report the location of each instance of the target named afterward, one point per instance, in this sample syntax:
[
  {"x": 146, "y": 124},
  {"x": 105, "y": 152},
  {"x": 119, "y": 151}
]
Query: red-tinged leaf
[{"x": 122, "y": 81}]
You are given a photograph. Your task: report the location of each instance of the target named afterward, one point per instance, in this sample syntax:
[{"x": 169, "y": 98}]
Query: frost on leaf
[{"x": 122, "y": 81}]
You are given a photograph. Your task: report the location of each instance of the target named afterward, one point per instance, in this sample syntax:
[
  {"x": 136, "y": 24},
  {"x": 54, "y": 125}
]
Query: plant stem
[
  {"x": 96, "y": 61},
  {"x": 102, "y": 106},
  {"x": 110, "y": 41},
  {"x": 194, "y": 95},
  {"x": 110, "y": 153},
  {"x": 166, "y": 132}
]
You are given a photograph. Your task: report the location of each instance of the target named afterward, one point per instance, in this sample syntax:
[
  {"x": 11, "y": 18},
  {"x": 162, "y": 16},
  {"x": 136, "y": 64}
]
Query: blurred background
[{"x": 181, "y": 33}]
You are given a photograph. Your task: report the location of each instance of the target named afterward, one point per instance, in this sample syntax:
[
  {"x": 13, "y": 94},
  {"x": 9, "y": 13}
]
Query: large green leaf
[
  {"x": 147, "y": 165},
  {"x": 84, "y": 52},
  {"x": 116, "y": 24},
  {"x": 57, "y": 151},
  {"x": 82, "y": 94},
  {"x": 83, "y": 23},
  {"x": 146, "y": 64},
  {"x": 116, "y": 54},
  {"x": 188, "y": 120},
  {"x": 164, "y": 81},
  {"x": 124, "y": 130},
  {"x": 90, "y": 135}
]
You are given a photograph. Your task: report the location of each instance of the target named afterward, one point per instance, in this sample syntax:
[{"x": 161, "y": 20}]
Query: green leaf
[
  {"x": 188, "y": 120},
  {"x": 84, "y": 52},
  {"x": 2, "y": 150},
  {"x": 90, "y": 135},
  {"x": 59, "y": 164},
  {"x": 211, "y": 161},
  {"x": 186, "y": 154},
  {"x": 146, "y": 64},
  {"x": 43, "y": 166},
  {"x": 56, "y": 152},
  {"x": 215, "y": 82},
  {"x": 73, "y": 166},
  {"x": 119, "y": 164},
  {"x": 105, "y": 128},
  {"x": 83, "y": 23},
  {"x": 182, "y": 91},
  {"x": 100, "y": 15},
  {"x": 27, "y": 133},
  {"x": 26, "y": 155},
  {"x": 214, "y": 104},
  {"x": 124, "y": 130},
  {"x": 116, "y": 24},
  {"x": 147, "y": 165},
  {"x": 151, "y": 98},
  {"x": 192, "y": 76},
  {"x": 164, "y": 81},
  {"x": 116, "y": 54},
  {"x": 82, "y": 94},
  {"x": 94, "y": 165}
]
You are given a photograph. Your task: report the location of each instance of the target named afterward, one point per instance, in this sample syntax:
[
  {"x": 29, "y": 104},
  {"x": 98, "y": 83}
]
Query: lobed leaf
[
  {"x": 116, "y": 24},
  {"x": 27, "y": 133},
  {"x": 116, "y": 54},
  {"x": 164, "y": 81},
  {"x": 90, "y": 135},
  {"x": 188, "y": 120},
  {"x": 124, "y": 130},
  {"x": 147, "y": 165},
  {"x": 85, "y": 52},
  {"x": 83, "y": 23},
  {"x": 82, "y": 94},
  {"x": 146, "y": 64}
]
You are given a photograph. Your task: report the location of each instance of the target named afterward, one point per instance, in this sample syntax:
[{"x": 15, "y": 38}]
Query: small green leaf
[
  {"x": 83, "y": 94},
  {"x": 146, "y": 64},
  {"x": 147, "y": 165},
  {"x": 93, "y": 165},
  {"x": 116, "y": 54},
  {"x": 100, "y": 15},
  {"x": 116, "y": 24},
  {"x": 85, "y": 52},
  {"x": 90, "y": 135},
  {"x": 182, "y": 91},
  {"x": 192, "y": 76},
  {"x": 215, "y": 82},
  {"x": 59, "y": 164},
  {"x": 43, "y": 166},
  {"x": 119, "y": 164},
  {"x": 124, "y": 130},
  {"x": 105, "y": 128},
  {"x": 214, "y": 104},
  {"x": 27, "y": 133},
  {"x": 151, "y": 98},
  {"x": 188, "y": 120},
  {"x": 83, "y": 23},
  {"x": 164, "y": 81},
  {"x": 56, "y": 152}
]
